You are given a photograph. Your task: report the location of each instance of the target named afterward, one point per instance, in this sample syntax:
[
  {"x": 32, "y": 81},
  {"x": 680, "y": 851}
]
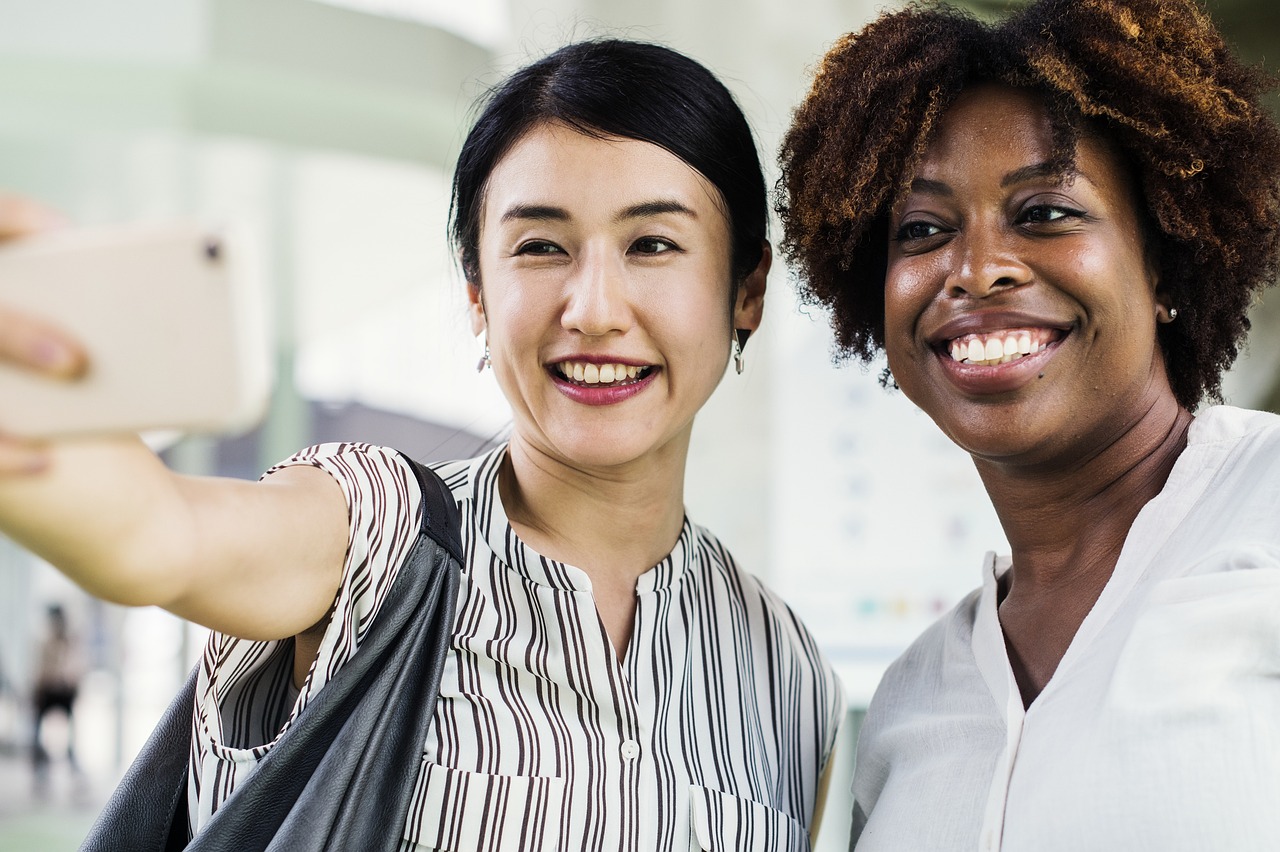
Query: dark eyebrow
[
  {"x": 931, "y": 187},
  {"x": 547, "y": 213},
  {"x": 1036, "y": 171},
  {"x": 536, "y": 212},
  {"x": 653, "y": 208}
]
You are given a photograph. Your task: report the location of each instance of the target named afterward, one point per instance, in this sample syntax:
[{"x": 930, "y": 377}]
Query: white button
[{"x": 630, "y": 749}]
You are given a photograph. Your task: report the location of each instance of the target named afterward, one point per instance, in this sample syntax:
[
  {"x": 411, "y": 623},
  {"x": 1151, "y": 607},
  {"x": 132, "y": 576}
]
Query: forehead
[
  {"x": 994, "y": 131},
  {"x": 588, "y": 176},
  {"x": 992, "y": 120}
]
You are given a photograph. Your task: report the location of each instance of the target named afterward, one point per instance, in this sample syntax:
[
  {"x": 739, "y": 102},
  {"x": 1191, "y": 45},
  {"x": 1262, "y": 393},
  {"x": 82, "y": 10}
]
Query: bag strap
[
  {"x": 440, "y": 518},
  {"x": 344, "y": 771}
]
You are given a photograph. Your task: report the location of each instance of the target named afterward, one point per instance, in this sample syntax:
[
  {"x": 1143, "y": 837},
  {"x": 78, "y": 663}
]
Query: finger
[
  {"x": 39, "y": 346},
  {"x": 18, "y": 457},
  {"x": 21, "y": 217}
]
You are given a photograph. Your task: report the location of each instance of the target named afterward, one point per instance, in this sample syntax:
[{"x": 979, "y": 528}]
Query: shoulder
[
  {"x": 720, "y": 568},
  {"x": 1239, "y": 430},
  {"x": 356, "y": 466},
  {"x": 771, "y": 620},
  {"x": 1227, "y": 481}
]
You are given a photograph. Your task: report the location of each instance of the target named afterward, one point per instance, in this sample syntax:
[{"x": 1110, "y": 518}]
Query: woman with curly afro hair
[{"x": 1053, "y": 226}]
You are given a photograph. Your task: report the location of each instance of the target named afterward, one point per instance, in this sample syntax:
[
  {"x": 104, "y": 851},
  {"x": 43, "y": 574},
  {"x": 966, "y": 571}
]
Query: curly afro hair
[{"x": 1153, "y": 77}]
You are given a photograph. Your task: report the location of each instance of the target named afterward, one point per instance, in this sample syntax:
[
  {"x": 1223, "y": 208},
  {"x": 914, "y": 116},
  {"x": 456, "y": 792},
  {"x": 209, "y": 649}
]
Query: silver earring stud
[
  {"x": 737, "y": 344},
  {"x": 1173, "y": 314}
]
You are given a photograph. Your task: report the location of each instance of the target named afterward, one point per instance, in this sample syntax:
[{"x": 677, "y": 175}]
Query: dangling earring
[
  {"x": 484, "y": 358},
  {"x": 739, "y": 341}
]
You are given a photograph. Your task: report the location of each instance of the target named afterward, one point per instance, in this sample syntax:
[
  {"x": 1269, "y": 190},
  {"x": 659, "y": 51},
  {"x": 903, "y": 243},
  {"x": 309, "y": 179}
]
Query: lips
[
  {"x": 600, "y": 380},
  {"x": 995, "y": 353}
]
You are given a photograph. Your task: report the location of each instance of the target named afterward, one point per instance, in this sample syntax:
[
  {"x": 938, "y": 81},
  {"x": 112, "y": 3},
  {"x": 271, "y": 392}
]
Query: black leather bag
[{"x": 343, "y": 775}]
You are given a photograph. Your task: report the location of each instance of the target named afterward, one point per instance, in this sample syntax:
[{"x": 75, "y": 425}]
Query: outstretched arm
[
  {"x": 256, "y": 560},
  {"x": 259, "y": 560}
]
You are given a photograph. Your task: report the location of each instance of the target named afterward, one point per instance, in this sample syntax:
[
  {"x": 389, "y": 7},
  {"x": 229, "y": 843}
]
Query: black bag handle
[{"x": 342, "y": 777}]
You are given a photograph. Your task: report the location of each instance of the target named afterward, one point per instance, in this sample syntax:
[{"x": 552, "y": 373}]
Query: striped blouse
[{"x": 711, "y": 734}]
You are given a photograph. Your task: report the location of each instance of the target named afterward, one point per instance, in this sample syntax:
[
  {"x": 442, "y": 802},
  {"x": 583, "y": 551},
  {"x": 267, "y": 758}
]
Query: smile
[
  {"x": 597, "y": 375},
  {"x": 1000, "y": 347}
]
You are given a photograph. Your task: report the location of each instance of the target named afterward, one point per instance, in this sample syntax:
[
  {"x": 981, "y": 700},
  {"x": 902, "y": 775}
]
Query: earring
[
  {"x": 739, "y": 341},
  {"x": 484, "y": 359},
  {"x": 1173, "y": 314}
]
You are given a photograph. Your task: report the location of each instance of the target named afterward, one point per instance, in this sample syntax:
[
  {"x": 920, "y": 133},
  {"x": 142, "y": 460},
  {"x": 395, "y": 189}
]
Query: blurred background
[{"x": 322, "y": 134}]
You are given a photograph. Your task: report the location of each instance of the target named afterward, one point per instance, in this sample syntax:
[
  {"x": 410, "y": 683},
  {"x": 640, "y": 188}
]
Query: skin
[
  {"x": 1072, "y": 441},
  {"x": 606, "y": 251},
  {"x": 591, "y": 250},
  {"x": 263, "y": 560}
]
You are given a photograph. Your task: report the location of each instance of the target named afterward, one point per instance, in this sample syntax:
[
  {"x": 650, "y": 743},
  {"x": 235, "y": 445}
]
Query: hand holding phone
[{"x": 171, "y": 335}]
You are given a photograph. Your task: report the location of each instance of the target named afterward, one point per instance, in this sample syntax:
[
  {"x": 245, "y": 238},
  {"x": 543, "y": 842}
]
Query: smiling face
[
  {"x": 1020, "y": 306},
  {"x": 605, "y": 294}
]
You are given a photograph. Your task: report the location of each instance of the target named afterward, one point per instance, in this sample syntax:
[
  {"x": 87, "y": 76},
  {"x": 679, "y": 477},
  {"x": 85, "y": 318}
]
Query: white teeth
[
  {"x": 995, "y": 348},
  {"x": 598, "y": 374}
]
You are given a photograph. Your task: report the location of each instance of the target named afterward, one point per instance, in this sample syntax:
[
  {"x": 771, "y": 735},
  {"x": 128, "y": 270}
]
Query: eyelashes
[
  {"x": 645, "y": 246},
  {"x": 1042, "y": 218}
]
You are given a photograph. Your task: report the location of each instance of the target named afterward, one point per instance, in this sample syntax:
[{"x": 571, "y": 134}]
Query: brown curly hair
[{"x": 1154, "y": 77}]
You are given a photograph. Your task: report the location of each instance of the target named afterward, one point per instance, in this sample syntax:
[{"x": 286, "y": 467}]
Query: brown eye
[
  {"x": 653, "y": 245},
  {"x": 539, "y": 247},
  {"x": 917, "y": 230},
  {"x": 1042, "y": 213}
]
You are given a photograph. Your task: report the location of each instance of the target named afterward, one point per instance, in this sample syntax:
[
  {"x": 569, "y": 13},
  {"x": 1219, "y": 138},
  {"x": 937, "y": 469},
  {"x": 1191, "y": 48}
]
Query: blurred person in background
[
  {"x": 1054, "y": 227},
  {"x": 615, "y": 680},
  {"x": 60, "y": 666}
]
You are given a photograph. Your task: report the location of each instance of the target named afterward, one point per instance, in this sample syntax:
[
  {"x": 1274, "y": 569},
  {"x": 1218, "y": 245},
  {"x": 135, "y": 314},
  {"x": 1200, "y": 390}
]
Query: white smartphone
[{"x": 173, "y": 337}]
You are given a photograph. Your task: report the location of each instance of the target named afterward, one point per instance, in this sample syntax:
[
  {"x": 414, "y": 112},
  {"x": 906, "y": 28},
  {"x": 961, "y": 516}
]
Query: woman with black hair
[
  {"x": 1053, "y": 227},
  {"x": 614, "y": 681}
]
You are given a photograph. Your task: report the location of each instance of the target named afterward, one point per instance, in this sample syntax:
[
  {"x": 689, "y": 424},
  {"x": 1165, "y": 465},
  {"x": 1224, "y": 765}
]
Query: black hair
[{"x": 628, "y": 90}]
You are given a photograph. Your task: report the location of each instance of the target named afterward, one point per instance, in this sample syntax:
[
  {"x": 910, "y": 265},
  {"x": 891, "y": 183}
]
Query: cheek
[
  {"x": 907, "y": 292},
  {"x": 1125, "y": 289}
]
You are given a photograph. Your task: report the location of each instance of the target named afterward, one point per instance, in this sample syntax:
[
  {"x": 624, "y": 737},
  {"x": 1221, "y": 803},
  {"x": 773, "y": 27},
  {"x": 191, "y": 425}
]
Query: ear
[
  {"x": 748, "y": 307},
  {"x": 475, "y": 308}
]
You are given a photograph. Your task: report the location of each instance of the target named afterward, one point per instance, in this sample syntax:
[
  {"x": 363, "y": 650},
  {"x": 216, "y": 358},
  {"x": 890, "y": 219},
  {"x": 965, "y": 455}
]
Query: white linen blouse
[
  {"x": 1160, "y": 728},
  {"x": 710, "y": 734}
]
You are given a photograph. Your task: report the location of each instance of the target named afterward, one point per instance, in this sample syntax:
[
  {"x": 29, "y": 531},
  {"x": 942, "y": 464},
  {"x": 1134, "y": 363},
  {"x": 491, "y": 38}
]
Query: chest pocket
[
  {"x": 457, "y": 811},
  {"x": 720, "y": 822}
]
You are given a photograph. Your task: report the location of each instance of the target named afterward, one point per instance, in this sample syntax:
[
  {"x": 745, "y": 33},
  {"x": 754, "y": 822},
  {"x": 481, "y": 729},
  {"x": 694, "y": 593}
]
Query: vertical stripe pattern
[{"x": 710, "y": 734}]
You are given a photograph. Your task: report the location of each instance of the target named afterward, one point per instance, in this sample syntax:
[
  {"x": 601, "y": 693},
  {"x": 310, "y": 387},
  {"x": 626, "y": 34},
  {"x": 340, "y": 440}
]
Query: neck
[
  {"x": 1066, "y": 520},
  {"x": 614, "y": 523},
  {"x": 1067, "y": 525}
]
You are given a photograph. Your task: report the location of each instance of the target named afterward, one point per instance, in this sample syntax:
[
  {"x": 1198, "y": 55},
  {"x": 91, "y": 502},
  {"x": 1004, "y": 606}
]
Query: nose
[
  {"x": 988, "y": 262},
  {"x": 597, "y": 301}
]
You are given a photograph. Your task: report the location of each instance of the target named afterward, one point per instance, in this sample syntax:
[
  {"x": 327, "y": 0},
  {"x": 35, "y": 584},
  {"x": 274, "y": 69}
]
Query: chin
[{"x": 595, "y": 451}]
